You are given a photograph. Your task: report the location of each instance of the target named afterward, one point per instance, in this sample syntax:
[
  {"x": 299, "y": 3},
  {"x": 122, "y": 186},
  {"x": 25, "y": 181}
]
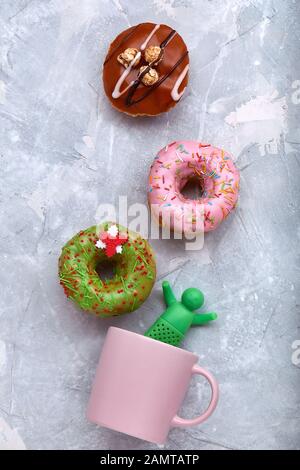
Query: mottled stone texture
[{"x": 64, "y": 151}]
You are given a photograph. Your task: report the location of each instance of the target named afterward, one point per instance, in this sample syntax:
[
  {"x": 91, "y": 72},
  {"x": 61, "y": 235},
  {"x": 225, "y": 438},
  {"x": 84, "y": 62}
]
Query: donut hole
[
  {"x": 106, "y": 269},
  {"x": 193, "y": 188}
]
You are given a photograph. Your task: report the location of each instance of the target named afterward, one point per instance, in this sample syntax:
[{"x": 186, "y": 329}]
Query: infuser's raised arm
[{"x": 168, "y": 294}]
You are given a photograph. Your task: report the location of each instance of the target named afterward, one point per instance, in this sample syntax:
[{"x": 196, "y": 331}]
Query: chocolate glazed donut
[{"x": 142, "y": 87}]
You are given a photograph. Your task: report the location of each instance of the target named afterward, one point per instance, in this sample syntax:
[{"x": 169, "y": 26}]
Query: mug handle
[{"x": 181, "y": 422}]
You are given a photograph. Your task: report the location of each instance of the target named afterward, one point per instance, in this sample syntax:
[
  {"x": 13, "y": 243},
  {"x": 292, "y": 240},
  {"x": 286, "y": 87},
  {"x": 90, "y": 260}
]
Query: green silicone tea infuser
[{"x": 179, "y": 316}]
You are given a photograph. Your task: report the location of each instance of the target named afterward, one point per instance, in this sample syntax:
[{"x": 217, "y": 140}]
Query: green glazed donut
[{"x": 134, "y": 269}]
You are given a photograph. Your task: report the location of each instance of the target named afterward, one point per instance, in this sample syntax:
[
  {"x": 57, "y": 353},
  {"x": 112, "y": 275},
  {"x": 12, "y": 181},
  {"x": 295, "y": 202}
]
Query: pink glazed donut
[{"x": 173, "y": 167}]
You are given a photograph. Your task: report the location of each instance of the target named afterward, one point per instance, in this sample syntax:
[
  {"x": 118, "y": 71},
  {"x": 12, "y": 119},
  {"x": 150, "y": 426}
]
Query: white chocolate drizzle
[
  {"x": 117, "y": 90},
  {"x": 174, "y": 93},
  {"x": 144, "y": 45}
]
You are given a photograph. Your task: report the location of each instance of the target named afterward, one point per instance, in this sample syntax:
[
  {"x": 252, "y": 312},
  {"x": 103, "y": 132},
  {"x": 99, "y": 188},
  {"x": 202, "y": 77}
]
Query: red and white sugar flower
[{"x": 111, "y": 241}]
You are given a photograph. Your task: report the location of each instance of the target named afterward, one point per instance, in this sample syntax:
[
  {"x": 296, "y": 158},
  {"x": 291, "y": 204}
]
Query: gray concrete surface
[{"x": 64, "y": 151}]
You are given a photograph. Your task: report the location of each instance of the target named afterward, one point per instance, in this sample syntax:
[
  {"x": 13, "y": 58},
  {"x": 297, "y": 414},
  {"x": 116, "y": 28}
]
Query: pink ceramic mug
[{"x": 140, "y": 384}]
